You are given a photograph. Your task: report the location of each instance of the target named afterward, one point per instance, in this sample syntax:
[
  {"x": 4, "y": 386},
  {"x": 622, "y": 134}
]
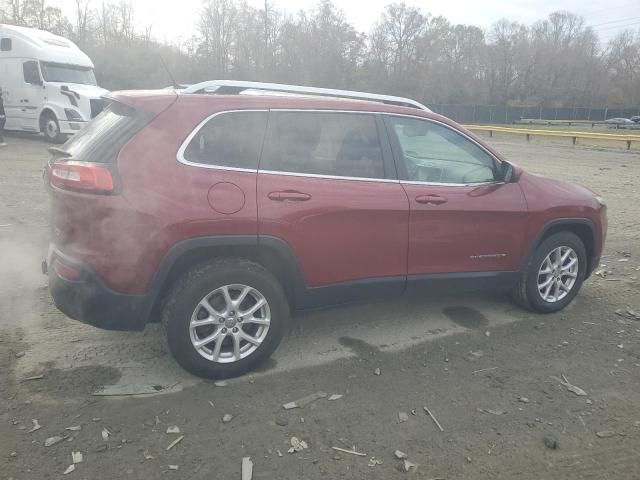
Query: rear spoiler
[{"x": 151, "y": 101}]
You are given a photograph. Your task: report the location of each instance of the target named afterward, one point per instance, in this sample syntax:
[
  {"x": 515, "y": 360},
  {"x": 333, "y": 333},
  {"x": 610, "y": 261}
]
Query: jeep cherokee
[{"x": 220, "y": 213}]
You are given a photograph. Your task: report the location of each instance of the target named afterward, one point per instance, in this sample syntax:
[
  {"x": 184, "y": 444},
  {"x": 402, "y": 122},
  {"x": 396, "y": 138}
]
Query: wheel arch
[
  {"x": 270, "y": 252},
  {"x": 583, "y": 228},
  {"x": 46, "y": 111}
]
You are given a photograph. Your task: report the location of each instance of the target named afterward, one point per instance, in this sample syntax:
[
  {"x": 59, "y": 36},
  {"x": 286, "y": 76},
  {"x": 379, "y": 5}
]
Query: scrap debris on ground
[{"x": 529, "y": 426}]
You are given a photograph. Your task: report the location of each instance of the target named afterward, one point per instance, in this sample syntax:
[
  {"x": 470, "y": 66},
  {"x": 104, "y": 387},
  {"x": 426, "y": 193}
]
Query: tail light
[
  {"x": 81, "y": 176},
  {"x": 64, "y": 270}
]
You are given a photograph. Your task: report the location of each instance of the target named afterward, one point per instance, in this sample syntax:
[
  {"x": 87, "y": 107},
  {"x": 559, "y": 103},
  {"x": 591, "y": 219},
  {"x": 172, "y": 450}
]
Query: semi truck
[{"x": 48, "y": 84}]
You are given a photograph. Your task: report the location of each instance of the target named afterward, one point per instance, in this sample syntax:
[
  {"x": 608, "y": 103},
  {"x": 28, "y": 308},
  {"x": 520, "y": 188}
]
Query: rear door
[
  {"x": 463, "y": 217},
  {"x": 326, "y": 187}
]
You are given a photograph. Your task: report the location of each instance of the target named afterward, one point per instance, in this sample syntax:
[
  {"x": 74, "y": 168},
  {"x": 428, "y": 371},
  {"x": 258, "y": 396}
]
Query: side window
[
  {"x": 337, "y": 144},
  {"x": 31, "y": 72},
  {"x": 232, "y": 139},
  {"x": 434, "y": 153},
  {"x": 5, "y": 44}
]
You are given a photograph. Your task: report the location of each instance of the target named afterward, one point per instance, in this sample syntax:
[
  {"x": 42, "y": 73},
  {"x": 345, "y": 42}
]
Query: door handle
[
  {"x": 290, "y": 196},
  {"x": 431, "y": 199}
]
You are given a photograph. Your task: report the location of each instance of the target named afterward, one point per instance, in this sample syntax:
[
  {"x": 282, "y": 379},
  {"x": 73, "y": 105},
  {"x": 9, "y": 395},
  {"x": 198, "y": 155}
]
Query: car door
[
  {"x": 27, "y": 97},
  {"x": 463, "y": 217},
  {"x": 326, "y": 189},
  {"x": 11, "y": 82}
]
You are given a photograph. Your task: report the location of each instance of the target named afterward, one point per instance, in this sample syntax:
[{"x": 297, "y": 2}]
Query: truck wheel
[
  {"x": 224, "y": 318},
  {"x": 51, "y": 128},
  {"x": 553, "y": 275}
]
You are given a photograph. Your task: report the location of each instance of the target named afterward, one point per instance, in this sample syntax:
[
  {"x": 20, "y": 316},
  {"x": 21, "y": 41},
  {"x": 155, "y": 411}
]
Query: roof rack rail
[{"x": 235, "y": 87}]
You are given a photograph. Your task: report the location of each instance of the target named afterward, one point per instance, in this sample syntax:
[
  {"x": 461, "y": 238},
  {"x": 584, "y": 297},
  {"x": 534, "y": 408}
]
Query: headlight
[
  {"x": 72, "y": 115},
  {"x": 600, "y": 200}
]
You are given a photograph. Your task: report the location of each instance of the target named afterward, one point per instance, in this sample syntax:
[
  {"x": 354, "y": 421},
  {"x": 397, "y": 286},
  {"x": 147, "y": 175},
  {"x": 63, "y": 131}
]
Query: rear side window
[
  {"x": 102, "y": 139},
  {"x": 230, "y": 139},
  {"x": 317, "y": 143},
  {"x": 5, "y": 44}
]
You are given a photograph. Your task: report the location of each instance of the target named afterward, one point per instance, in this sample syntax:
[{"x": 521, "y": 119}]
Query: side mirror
[{"x": 507, "y": 172}]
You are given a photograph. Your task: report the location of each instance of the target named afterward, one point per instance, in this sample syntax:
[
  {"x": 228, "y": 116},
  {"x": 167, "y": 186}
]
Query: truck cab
[{"x": 48, "y": 84}]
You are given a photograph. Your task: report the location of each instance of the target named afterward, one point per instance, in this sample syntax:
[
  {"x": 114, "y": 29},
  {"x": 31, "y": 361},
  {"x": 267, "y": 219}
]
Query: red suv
[{"x": 219, "y": 213}]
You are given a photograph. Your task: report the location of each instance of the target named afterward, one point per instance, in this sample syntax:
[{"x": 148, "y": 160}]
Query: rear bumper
[{"x": 87, "y": 299}]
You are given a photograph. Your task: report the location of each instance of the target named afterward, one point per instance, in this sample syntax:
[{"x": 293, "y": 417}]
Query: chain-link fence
[{"x": 492, "y": 114}]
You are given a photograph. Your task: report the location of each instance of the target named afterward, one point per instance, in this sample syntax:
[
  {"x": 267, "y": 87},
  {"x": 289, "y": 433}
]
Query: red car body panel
[
  {"x": 478, "y": 228},
  {"x": 349, "y": 229},
  {"x": 549, "y": 199}
]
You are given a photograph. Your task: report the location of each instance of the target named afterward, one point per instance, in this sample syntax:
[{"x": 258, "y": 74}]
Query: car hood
[{"x": 551, "y": 191}]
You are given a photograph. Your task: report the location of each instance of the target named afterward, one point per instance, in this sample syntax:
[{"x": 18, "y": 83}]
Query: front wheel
[
  {"x": 224, "y": 318},
  {"x": 51, "y": 128},
  {"x": 553, "y": 275}
]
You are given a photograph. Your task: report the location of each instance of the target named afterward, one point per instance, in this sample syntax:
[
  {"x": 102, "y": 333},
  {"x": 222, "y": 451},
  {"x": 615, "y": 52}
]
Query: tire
[
  {"x": 207, "y": 282},
  {"x": 50, "y": 127},
  {"x": 527, "y": 293}
]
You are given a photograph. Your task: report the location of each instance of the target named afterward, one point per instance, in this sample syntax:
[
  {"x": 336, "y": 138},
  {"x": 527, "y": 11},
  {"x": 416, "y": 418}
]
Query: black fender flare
[
  {"x": 262, "y": 246},
  {"x": 568, "y": 221}
]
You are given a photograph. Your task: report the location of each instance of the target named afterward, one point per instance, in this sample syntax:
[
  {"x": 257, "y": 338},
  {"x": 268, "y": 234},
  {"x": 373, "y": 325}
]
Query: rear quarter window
[
  {"x": 228, "y": 139},
  {"x": 102, "y": 139}
]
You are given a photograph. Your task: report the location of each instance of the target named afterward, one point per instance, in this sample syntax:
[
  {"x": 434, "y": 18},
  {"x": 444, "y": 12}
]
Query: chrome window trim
[
  {"x": 183, "y": 147},
  {"x": 332, "y": 177},
  {"x": 477, "y": 184},
  {"x": 185, "y": 144},
  {"x": 472, "y": 140}
]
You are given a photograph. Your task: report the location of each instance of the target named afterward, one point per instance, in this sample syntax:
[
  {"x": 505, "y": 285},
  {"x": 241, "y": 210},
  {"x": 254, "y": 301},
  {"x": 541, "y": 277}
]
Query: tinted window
[
  {"x": 5, "y": 44},
  {"x": 102, "y": 139},
  {"x": 339, "y": 144},
  {"x": 434, "y": 153},
  {"x": 231, "y": 139}
]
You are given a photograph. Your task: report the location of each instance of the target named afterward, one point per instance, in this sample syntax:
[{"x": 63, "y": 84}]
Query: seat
[{"x": 360, "y": 156}]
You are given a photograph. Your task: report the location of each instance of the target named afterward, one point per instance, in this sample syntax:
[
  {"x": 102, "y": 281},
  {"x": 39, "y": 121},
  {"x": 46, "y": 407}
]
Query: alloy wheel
[
  {"x": 230, "y": 323},
  {"x": 557, "y": 274}
]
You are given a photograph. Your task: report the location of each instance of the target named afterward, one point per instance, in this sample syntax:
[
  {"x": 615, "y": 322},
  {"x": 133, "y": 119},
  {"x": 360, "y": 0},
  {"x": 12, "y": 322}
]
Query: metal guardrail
[
  {"x": 557, "y": 133},
  {"x": 593, "y": 123}
]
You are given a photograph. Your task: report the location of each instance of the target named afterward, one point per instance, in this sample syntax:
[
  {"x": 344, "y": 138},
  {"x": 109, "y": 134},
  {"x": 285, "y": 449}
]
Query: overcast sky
[{"x": 176, "y": 19}]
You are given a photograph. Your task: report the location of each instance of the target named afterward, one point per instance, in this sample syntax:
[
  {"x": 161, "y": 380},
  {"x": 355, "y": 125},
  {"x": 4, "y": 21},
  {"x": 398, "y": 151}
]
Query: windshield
[{"x": 58, "y": 72}]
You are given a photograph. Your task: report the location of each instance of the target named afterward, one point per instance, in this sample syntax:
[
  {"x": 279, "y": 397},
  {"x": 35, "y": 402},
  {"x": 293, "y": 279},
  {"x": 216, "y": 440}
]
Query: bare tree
[{"x": 556, "y": 62}]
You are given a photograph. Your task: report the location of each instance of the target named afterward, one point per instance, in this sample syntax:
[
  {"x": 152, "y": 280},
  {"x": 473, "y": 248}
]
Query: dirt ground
[{"x": 482, "y": 366}]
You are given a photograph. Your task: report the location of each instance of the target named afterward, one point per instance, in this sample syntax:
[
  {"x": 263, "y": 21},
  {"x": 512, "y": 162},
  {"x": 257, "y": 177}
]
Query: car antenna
[{"x": 173, "y": 80}]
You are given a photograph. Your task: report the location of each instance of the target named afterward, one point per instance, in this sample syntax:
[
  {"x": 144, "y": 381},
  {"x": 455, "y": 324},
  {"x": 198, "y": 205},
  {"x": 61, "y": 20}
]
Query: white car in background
[{"x": 47, "y": 82}]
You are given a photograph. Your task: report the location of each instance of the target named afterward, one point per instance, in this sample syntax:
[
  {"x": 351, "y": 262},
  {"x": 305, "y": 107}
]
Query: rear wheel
[
  {"x": 51, "y": 128},
  {"x": 224, "y": 318},
  {"x": 553, "y": 275}
]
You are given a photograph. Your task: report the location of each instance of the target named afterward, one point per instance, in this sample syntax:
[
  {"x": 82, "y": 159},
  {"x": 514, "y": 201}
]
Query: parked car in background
[
  {"x": 220, "y": 214},
  {"x": 48, "y": 83},
  {"x": 618, "y": 122},
  {"x": 635, "y": 119}
]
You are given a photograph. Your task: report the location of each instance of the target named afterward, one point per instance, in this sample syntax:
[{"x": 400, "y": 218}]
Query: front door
[
  {"x": 463, "y": 218},
  {"x": 27, "y": 96},
  {"x": 325, "y": 188}
]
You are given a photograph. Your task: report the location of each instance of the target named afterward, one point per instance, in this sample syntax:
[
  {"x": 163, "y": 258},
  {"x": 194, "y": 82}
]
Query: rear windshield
[{"x": 102, "y": 139}]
